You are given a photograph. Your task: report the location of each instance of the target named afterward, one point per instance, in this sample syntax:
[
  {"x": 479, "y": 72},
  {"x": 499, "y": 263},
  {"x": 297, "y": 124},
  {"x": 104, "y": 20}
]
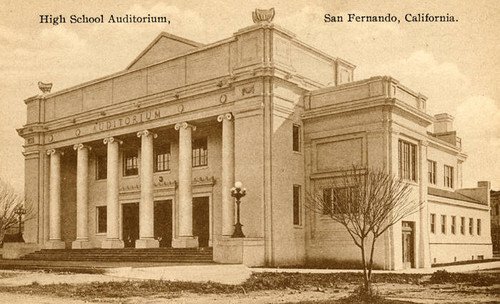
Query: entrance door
[
  {"x": 163, "y": 223},
  {"x": 407, "y": 244},
  {"x": 130, "y": 225},
  {"x": 201, "y": 220}
]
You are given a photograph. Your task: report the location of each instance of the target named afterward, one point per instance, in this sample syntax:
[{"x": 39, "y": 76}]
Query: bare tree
[
  {"x": 10, "y": 201},
  {"x": 367, "y": 202}
]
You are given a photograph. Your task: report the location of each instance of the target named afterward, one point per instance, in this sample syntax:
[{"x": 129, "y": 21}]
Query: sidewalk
[{"x": 454, "y": 268}]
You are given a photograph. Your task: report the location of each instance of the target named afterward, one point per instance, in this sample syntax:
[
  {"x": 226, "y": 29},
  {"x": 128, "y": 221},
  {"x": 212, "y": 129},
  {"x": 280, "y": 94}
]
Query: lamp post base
[{"x": 238, "y": 233}]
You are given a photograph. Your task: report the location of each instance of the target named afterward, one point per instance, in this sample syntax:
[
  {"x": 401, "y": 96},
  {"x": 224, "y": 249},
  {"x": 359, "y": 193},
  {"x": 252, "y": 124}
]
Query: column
[
  {"x": 112, "y": 191},
  {"x": 55, "y": 241},
  {"x": 185, "y": 205},
  {"x": 227, "y": 173},
  {"x": 146, "y": 206},
  {"x": 82, "y": 165},
  {"x": 423, "y": 254}
]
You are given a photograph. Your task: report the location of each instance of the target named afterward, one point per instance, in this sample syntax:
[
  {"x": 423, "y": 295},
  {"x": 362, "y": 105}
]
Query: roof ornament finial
[
  {"x": 263, "y": 15},
  {"x": 45, "y": 87}
]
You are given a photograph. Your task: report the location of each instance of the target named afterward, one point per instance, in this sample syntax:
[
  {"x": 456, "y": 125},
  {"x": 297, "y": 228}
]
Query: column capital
[
  {"x": 146, "y": 133},
  {"x": 227, "y": 116},
  {"x": 81, "y": 146},
  {"x": 53, "y": 151},
  {"x": 184, "y": 125},
  {"x": 111, "y": 140},
  {"x": 424, "y": 142}
]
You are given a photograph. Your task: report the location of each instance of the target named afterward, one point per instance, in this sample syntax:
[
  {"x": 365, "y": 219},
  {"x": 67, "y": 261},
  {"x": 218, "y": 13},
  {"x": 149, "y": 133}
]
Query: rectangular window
[
  {"x": 162, "y": 158},
  {"x": 332, "y": 195},
  {"x": 433, "y": 223},
  {"x": 200, "y": 152},
  {"x": 448, "y": 176},
  {"x": 453, "y": 224},
  {"x": 130, "y": 162},
  {"x": 101, "y": 219},
  {"x": 407, "y": 160},
  {"x": 443, "y": 224},
  {"x": 296, "y": 205},
  {"x": 478, "y": 228},
  {"x": 431, "y": 171},
  {"x": 471, "y": 226},
  {"x": 296, "y": 138},
  {"x": 462, "y": 225},
  {"x": 101, "y": 167}
]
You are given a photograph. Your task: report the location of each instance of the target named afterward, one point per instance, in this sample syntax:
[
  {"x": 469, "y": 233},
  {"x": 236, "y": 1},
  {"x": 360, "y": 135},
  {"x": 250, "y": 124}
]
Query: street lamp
[
  {"x": 238, "y": 192},
  {"x": 20, "y": 211}
]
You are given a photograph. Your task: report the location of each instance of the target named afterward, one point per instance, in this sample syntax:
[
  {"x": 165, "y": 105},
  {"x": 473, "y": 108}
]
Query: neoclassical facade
[{"x": 147, "y": 157}]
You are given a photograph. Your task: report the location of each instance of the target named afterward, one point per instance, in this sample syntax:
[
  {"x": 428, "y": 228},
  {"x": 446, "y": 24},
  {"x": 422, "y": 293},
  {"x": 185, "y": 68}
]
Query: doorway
[
  {"x": 163, "y": 222},
  {"x": 408, "y": 244},
  {"x": 201, "y": 220},
  {"x": 130, "y": 225}
]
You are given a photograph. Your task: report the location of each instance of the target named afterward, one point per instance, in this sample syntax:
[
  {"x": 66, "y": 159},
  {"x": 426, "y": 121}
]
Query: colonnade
[{"x": 184, "y": 236}]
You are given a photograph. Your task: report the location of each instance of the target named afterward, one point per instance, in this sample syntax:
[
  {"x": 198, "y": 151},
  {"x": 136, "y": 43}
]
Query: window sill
[
  {"x": 163, "y": 172},
  {"x": 298, "y": 227},
  {"x": 130, "y": 176},
  {"x": 199, "y": 168},
  {"x": 101, "y": 234}
]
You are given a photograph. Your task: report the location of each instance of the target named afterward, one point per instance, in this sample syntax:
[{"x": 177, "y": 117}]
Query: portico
[{"x": 155, "y": 180}]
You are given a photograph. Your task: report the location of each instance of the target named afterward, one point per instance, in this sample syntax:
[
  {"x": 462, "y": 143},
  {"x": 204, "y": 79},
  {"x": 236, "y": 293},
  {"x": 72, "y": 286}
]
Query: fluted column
[
  {"x": 227, "y": 173},
  {"x": 185, "y": 214},
  {"x": 112, "y": 192},
  {"x": 55, "y": 241},
  {"x": 82, "y": 165},
  {"x": 146, "y": 206}
]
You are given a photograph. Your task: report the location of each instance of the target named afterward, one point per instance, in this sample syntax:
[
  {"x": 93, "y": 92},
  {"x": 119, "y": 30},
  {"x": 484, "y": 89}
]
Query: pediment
[{"x": 165, "y": 46}]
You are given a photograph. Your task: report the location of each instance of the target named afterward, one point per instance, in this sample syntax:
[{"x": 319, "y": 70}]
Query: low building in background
[{"x": 147, "y": 157}]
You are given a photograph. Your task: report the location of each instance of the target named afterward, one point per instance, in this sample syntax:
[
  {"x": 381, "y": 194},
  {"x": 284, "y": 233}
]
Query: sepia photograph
[{"x": 323, "y": 151}]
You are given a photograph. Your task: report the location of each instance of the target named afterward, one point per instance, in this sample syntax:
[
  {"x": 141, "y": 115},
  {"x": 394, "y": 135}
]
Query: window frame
[
  {"x": 132, "y": 154},
  {"x": 407, "y": 160},
  {"x": 448, "y": 176},
  {"x": 433, "y": 223},
  {"x": 462, "y": 225},
  {"x": 431, "y": 172},
  {"x": 98, "y": 220},
  {"x": 471, "y": 226},
  {"x": 453, "y": 224},
  {"x": 478, "y": 226},
  {"x": 199, "y": 152},
  {"x": 297, "y": 205},
  {"x": 296, "y": 138},
  {"x": 101, "y": 160},
  {"x": 443, "y": 223},
  {"x": 167, "y": 152}
]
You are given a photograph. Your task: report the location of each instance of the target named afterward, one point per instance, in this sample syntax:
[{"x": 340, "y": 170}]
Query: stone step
[{"x": 169, "y": 255}]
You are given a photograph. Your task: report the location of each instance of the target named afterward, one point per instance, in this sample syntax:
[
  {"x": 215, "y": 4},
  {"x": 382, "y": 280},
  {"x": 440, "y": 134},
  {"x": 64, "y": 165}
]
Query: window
[
  {"x": 448, "y": 176},
  {"x": 471, "y": 226},
  {"x": 200, "y": 152},
  {"x": 433, "y": 223},
  {"x": 478, "y": 227},
  {"x": 407, "y": 160},
  {"x": 296, "y": 138},
  {"x": 130, "y": 163},
  {"x": 296, "y": 205},
  {"x": 101, "y": 167},
  {"x": 462, "y": 225},
  {"x": 330, "y": 197},
  {"x": 101, "y": 219},
  {"x": 453, "y": 224},
  {"x": 431, "y": 171},
  {"x": 443, "y": 224},
  {"x": 162, "y": 158}
]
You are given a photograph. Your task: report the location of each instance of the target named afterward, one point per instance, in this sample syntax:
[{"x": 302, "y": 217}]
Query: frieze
[{"x": 127, "y": 120}]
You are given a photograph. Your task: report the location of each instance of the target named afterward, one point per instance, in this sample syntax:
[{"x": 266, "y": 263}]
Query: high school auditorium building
[{"x": 147, "y": 157}]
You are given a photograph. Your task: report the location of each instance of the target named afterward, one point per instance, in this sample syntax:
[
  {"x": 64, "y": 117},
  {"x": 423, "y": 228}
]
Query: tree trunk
[{"x": 365, "y": 273}]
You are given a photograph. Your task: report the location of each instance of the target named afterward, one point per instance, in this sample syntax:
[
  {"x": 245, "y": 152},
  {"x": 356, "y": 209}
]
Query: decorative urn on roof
[
  {"x": 263, "y": 15},
  {"x": 45, "y": 87}
]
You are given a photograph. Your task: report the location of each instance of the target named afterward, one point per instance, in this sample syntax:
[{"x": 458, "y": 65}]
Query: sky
[{"x": 456, "y": 65}]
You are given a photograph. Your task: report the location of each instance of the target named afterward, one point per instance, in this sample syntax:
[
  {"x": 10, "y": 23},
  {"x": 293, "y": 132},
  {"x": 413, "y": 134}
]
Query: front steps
[{"x": 149, "y": 255}]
